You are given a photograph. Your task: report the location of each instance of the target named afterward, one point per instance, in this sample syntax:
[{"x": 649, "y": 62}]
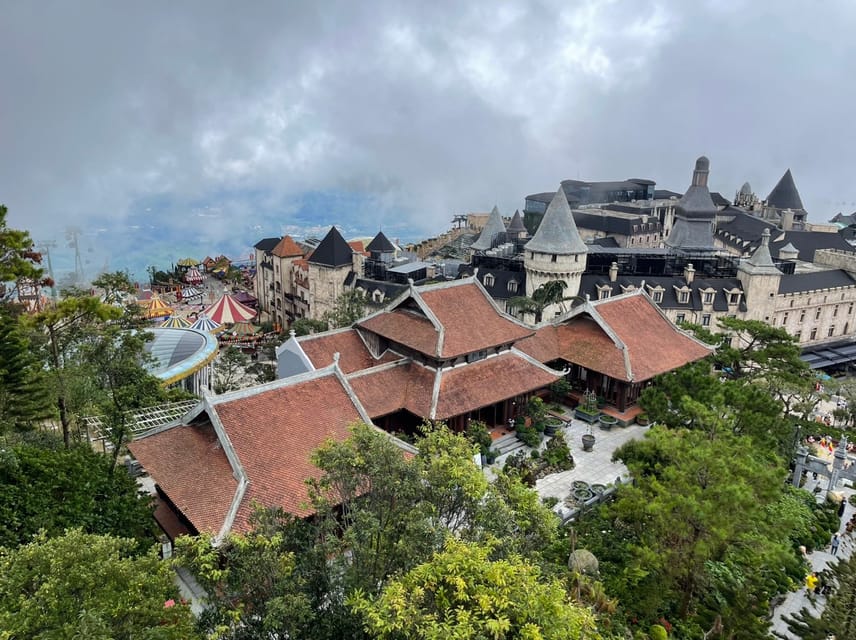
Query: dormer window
[
  {"x": 734, "y": 298},
  {"x": 489, "y": 280},
  {"x": 603, "y": 292},
  {"x": 377, "y": 296},
  {"x": 512, "y": 286},
  {"x": 683, "y": 297},
  {"x": 708, "y": 297}
]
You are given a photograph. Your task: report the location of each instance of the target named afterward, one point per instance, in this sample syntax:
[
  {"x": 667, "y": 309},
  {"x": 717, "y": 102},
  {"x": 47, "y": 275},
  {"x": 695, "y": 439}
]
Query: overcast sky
[{"x": 170, "y": 128}]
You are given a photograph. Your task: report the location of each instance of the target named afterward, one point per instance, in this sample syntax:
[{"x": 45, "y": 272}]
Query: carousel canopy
[
  {"x": 204, "y": 323},
  {"x": 188, "y": 262},
  {"x": 243, "y": 329},
  {"x": 175, "y": 322},
  {"x": 156, "y": 308},
  {"x": 227, "y": 310},
  {"x": 193, "y": 276},
  {"x": 190, "y": 292}
]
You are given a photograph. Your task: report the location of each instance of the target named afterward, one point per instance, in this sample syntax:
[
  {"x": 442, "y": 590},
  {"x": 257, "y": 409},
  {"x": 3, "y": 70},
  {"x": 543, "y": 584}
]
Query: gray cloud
[{"x": 420, "y": 111}]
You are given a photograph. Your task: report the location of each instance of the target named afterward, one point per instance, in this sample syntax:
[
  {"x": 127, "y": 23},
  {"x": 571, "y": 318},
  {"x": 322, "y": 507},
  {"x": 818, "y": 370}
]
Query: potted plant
[
  {"x": 642, "y": 420},
  {"x": 560, "y": 389},
  {"x": 607, "y": 422},
  {"x": 552, "y": 425},
  {"x": 587, "y": 409}
]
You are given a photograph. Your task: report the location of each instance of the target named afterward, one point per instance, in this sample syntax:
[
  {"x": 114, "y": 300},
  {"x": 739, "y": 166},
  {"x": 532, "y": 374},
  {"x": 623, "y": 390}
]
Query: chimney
[
  {"x": 689, "y": 273},
  {"x": 613, "y": 272},
  {"x": 787, "y": 220}
]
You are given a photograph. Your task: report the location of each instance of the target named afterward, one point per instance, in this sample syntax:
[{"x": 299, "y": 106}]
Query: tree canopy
[
  {"x": 81, "y": 585},
  {"x": 50, "y": 489},
  {"x": 462, "y": 593}
]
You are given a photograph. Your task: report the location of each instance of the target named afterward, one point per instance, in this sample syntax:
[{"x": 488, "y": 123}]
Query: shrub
[
  {"x": 558, "y": 454},
  {"x": 658, "y": 632}
]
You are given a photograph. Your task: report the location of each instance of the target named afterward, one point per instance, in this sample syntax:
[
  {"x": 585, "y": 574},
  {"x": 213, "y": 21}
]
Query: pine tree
[{"x": 24, "y": 398}]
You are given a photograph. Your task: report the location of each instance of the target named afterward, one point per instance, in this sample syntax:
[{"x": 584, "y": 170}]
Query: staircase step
[{"x": 507, "y": 444}]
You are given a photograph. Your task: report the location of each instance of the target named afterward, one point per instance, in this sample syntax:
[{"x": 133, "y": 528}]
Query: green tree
[
  {"x": 548, "y": 294},
  {"x": 348, "y": 308},
  {"x": 704, "y": 541},
  {"x": 308, "y": 326},
  {"x": 65, "y": 327},
  {"x": 462, "y": 593},
  {"x": 18, "y": 258},
  {"x": 52, "y": 489},
  {"x": 115, "y": 360},
  {"x": 82, "y": 585},
  {"x": 254, "y": 590},
  {"x": 229, "y": 368},
  {"x": 24, "y": 396},
  {"x": 114, "y": 284}
]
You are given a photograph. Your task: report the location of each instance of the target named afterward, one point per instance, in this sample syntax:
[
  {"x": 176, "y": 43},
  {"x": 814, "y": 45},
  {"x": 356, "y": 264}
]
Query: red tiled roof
[
  {"x": 407, "y": 386},
  {"x": 274, "y": 434},
  {"x": 189, "y": 465},
  {"x": 591, "y": 348},
  {"x": 407, "y": 327},
  {"x": 488, "y": 381},
  {"x": 287, "y": 248},
  {"x": 470, "y": 321},
  {"x": 654, "y": 344},
  {"x": 353, "y": 354},
  {"x": 358, "y": 246}
]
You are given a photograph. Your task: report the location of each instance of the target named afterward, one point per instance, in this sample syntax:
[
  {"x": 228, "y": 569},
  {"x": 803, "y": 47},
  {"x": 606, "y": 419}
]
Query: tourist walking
[{"x": 834, "y": 544}]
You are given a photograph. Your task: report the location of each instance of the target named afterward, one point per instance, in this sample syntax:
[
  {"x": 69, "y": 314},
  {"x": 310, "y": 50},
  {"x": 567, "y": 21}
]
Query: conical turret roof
[
  {"x": 694, "y": 214},
  {"x": 557, "y": 232},
  {"x": 332, "y": 251},
  {"x": 761, "y": 262},
  {"x": 516, "y": 225},
  {"x": 785, "y": 195},
  {"x": 492, "y": 234},
  {"x": 380, "y": 244}
]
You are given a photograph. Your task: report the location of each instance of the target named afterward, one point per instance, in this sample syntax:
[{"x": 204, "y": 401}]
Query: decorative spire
[
  {"x": 702, "y": 169},
  {"x": 557, "y": 232},
  {"x": 761, "y": 262}
]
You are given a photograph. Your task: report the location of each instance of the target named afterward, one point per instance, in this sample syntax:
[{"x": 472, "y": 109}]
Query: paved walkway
[{"x": 819, "y": 560}]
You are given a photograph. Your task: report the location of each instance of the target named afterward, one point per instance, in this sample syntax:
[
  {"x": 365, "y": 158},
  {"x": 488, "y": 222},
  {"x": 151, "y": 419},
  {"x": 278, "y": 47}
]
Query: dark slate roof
[
  {"x": 626, "y": 208},
  {"x": 332, "y": 251},
  {"x": 807, "y": 242},
  {"x": 516, "y": 225},
  {"x": 501, "y": 277},
  {"x": 557, "y": 232},
  {"x": 785, "y": 195},
  {"x": 608, "y": 241},
  {"x": 665, "y": 194},
  {"x": 798, "y": 282},
  {"x": 718, "y": 199},
  {"x": 493, "y": 232},
  {"x": 266, "y": 244},
  {"x": 620, "y": 225},
  {"x": 589, "y": 285},
  {"x": 390, "y": 289},
  {"x": 845, "y": 220},
  {"x": 744, "y": 227},
  {"x": 380, "y": 244}
]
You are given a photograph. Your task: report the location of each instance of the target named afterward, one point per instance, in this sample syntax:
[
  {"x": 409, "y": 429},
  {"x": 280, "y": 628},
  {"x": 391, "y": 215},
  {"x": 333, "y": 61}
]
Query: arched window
[{"x": 488, "y": 280}]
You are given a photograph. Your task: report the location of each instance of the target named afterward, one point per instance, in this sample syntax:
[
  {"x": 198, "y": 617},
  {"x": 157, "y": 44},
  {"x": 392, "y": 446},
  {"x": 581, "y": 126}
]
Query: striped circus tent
[
  {"x": 156, "y": 308},
  {"x": 175, "y": 322},
  {"x": 188, "y": 262},
  {"x": 190, "y": 292},
  {"x": 227, "y": 310},
  {"x": 193, "y": 276},
  {"x": 204, "y": 323}
]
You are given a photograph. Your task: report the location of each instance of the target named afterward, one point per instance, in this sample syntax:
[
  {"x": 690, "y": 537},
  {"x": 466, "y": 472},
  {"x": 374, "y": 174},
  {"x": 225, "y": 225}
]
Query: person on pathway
[
  {"x": 811, "y": 581},
  {"x": 834, "y": 544}
]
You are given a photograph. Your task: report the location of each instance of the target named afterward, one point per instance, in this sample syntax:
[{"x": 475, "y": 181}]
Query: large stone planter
[
  {"x": 552, "y": 426},
  {"x": 588, "y": 442},
  {"x": 586, "y": 416},
  {"x": 607, "y": 422}
]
